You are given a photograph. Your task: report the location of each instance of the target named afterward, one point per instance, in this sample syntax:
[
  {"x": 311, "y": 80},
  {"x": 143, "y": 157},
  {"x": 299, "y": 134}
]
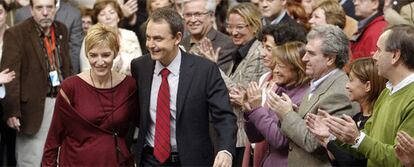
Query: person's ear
[
  {"x": 368, "y": 86},
  {"x": 331, "y": 60},
  {"x": 396, "y": 56},
  {"x": 178, "y": 37}
]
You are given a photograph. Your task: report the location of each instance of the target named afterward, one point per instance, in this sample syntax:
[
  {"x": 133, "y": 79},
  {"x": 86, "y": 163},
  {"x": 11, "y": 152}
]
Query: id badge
[{"x": 54, "y": 77}]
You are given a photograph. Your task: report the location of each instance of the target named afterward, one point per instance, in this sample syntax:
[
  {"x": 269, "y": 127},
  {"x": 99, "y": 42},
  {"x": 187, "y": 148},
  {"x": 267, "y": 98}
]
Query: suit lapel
[
  {"x": 34, "y": 37},
  {"x": 325, "y": 85},
  {"x": 184, "y": 83},
  {"x": 146, "y": 87}
]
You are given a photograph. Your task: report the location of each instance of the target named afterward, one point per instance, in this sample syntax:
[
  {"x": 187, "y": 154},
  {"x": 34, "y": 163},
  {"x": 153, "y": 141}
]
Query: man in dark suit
[
  {"x": 69, "y": 16},
  {"x": 38, "y": 51},
  {"x": 177, "y": 93},
  {"x": 273, "y": 12},
  {"x": 197, "y": 17}
]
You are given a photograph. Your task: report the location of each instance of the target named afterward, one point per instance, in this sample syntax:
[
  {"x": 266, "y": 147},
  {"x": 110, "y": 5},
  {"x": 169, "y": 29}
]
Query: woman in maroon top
[{"x": 93, "y": 110}]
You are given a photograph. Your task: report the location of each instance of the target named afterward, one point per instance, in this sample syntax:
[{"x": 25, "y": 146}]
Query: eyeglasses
[
  {"x": 238, "y": 27},
  {"x": 196, "y": 15}
]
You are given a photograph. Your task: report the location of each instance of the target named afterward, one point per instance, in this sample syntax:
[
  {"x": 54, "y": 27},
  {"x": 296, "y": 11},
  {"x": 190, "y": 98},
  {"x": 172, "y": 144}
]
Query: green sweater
[{"x": 392, "y": 113}]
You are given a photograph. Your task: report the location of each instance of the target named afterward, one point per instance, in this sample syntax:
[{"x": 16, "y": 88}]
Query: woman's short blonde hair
[
  {"x": 250, "y": 14},
  {"x": 100, "y": 34},
  {"x": 334, "y": 13},
  {"x": 290, "y": 54}
]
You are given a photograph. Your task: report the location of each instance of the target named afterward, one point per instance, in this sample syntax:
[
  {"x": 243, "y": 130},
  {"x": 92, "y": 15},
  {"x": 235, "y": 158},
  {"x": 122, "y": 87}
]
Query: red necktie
[{"x": 162, "y": 146}]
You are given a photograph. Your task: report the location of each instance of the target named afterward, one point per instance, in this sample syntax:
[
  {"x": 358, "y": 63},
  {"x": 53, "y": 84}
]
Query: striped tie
[{"x": 162, "y": 146}]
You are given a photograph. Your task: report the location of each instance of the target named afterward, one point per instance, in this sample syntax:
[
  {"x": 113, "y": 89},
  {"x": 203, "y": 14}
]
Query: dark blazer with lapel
[
  {"x": 71, "y": 17},
  {"x": 218, "y": 39},
  {"x": 201, "y": 92},
  {"x": 23, "y": 53}
]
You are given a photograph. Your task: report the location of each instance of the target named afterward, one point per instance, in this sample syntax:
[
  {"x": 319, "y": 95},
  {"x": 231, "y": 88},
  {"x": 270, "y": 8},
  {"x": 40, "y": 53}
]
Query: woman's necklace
[{"x": 115, "y": 134}]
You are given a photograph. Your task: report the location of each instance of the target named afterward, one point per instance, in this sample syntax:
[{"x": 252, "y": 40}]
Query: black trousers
[{"x": 148, "y": 158}]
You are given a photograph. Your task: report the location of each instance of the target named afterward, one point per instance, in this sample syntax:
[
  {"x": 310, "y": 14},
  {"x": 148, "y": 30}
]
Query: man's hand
[
  {"x": 6, "y": 76},
  {"x": 14, "y": 123},
  {"x": 316, "y": 124},
  {"x": 206, "y": 49},
  {"x": 344, "y": 128},
  {"x": 405, "y": 149},
  {"x": 279, "y": 104},
  {"x": 222, "y": 160}
]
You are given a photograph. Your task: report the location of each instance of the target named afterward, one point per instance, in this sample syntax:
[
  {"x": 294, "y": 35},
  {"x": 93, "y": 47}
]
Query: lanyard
[{"x": 50, "y": 48}]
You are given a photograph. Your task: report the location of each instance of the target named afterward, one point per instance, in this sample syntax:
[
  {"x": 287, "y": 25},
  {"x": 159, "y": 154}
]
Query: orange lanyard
[{"x": 50, "y": 48}]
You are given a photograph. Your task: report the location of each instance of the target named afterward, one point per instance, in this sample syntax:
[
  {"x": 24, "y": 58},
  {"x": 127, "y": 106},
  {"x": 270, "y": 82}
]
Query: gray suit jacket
[
  {"x": 69, "y": 16},
  {"x": 218, "y": 39},
  {"x": 330, "y": 96}
]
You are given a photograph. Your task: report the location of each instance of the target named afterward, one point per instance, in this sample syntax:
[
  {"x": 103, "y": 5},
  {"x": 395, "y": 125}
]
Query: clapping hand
[
  {"x": 237, "y": 96},
  {"x": 343, "y": 128},
  {"x": 316, "y": 124},
  {"x": 254, "y": 96},
  {"x": 207, "y": 50},
  {"x": 279, "y": 104},
  {"x": 405, "y": 148}
]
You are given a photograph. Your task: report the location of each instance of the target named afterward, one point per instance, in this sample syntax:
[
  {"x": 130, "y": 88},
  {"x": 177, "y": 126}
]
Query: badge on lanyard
[{"x": 54, "y": 78}]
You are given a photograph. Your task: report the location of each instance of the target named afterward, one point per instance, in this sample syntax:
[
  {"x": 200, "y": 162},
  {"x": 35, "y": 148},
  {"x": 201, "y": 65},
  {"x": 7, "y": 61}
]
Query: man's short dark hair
[
  {"x": 401, "y": 38},
  {"x": 31, "y": 2},
  {"x": 283, "y": 33},
  {"x": 170, "y": 16}
]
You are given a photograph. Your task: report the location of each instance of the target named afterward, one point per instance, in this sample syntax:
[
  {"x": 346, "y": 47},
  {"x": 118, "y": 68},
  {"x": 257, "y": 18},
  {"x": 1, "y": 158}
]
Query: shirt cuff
[
  {"x": 359, "y": 139},
  {"x": 227, "y": 152},
  {"x": 2, "y": 91}
]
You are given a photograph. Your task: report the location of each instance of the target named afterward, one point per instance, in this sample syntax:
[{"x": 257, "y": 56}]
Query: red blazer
[{"x": 366, "y": 44}]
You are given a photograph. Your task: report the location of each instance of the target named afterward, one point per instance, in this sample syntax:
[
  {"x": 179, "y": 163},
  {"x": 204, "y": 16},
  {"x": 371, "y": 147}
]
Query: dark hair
[
  {"x": 380, "y": 6},
  {"x": 401, "y": 38},
  {"x": 170, "y": 16},
  {"x": 5, "y": 5},
  {"x": 285, "y": 32},
  {"x": 101, "y": 4},
  {"x": 85, "y": 11},
  {"x": 31, "y": 2}
]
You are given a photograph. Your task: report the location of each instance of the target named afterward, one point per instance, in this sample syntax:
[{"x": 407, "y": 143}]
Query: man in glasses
[{"x": 199, "y": 18}]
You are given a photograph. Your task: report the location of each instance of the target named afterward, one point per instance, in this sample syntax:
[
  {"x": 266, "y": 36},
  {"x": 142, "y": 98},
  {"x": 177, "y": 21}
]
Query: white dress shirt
[{"x": 173, "y": 78}]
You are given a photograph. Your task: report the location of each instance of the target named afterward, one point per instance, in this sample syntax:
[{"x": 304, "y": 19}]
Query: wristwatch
[{"x": 356, "y": 140}]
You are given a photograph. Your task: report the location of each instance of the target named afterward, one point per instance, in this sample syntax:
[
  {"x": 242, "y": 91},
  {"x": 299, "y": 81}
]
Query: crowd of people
[{"x": 207, "y": 83}]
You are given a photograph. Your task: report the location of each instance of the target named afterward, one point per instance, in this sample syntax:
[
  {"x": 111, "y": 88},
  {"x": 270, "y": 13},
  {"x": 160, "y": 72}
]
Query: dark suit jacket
[
  {"x": 201, "y": 92},
  {"x": 23, "y": 53},
  {"x": 69, "y": 16},
  {"x": 218, "y": 39}
]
